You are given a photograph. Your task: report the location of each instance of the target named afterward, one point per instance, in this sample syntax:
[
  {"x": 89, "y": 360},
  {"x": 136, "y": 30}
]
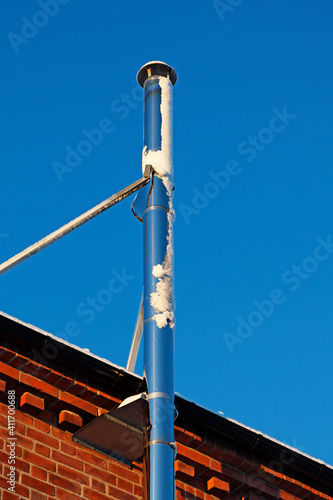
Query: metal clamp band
[
  {"x": 154, "y": 207},
  {"x": 163, "y": 395},
  {"x": 149, "y": 319},
  {"x": 161, "y": 441}
]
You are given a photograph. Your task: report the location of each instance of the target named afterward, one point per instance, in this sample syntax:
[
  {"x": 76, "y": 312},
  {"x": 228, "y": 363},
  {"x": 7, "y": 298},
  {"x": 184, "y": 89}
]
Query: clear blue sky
[{"x": 253, "y": 173}]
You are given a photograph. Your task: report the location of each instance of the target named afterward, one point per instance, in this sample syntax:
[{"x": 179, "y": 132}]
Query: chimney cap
[{"x": 156, "y": 68}]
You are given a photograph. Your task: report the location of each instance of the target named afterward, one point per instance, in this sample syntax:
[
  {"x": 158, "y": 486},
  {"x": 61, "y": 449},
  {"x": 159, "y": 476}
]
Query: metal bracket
[
  {"x": 119, "y": 433},
  {"x": 75, "y": 223},
  {"x": 148, "y": 170}
]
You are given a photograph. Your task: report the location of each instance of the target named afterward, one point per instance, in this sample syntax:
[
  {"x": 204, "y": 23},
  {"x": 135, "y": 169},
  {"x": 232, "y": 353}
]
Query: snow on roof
[
  {"x": 68, "y": 344},
  {"x": 280, "y": 443},
  {"x": 260, "y": 434},
  {"x": 87, "y": 352}
]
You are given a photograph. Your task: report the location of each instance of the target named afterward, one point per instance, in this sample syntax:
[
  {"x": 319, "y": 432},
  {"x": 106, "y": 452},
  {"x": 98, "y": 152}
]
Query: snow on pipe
[{"x": 157, "y": 79}]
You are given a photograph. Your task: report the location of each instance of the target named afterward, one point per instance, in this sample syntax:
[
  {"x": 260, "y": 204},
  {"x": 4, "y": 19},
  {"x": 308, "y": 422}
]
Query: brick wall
[
  {"x": 209, "y": 467},
  {"x": 49, "y": 465},
  {"x": 54, "y": 400}
]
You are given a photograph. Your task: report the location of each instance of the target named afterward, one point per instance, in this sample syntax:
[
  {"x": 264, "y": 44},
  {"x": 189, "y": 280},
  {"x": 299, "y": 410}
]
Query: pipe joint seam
[
  {"x": 171, "y": 444},
  {"x": 163, "y": 395},
  {"x": 156, "y": 207}
]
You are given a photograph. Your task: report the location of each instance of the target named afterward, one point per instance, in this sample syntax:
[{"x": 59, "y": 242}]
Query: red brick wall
[
  {"x": 54, "y": 401},
  {"x": 49, "y": 465},
  {"x": 209, "y": 467}
]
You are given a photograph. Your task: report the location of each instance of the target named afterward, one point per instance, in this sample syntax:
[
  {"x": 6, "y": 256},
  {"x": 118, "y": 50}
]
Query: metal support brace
[
  {"x": 79, "y": 221},
  {"x": 136, "y": 340}
]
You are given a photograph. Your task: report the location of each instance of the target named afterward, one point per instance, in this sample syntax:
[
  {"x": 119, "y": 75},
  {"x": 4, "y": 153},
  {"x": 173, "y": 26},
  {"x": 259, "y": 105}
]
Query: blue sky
[{"x": 253, "y": 174}]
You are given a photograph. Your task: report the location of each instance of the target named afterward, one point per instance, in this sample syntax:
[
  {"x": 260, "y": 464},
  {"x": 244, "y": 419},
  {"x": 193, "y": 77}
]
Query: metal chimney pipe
[{"x": 157, "y": 79}]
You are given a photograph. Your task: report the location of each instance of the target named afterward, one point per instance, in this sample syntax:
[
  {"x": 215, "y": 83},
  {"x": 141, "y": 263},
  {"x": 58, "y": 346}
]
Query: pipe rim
[{"x": 157, "y": 68}]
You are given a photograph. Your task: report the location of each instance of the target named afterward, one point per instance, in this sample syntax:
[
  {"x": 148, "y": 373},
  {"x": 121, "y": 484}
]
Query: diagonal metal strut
[
  {"x": 75, "y": 223},
  {"x": 136, "y": 339}
]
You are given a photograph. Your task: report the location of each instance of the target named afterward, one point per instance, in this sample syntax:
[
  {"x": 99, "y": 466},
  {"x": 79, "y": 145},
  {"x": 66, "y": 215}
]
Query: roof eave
[{"x": 33, "y": 338}]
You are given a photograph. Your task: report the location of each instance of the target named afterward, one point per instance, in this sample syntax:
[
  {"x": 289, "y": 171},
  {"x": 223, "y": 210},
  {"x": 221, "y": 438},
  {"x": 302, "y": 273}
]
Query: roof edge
[
  {"x": 40, "y": 341},
  {"x": 253, "y": 440},
  {"x": 33, "y": 337}
]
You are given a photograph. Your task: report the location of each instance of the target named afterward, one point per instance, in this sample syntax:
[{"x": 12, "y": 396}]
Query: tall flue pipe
[{"x": 157, "y": 79}]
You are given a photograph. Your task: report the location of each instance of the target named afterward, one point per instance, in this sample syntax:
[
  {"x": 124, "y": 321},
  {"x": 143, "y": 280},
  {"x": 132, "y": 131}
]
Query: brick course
[{"x": 52, "y": 401}]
